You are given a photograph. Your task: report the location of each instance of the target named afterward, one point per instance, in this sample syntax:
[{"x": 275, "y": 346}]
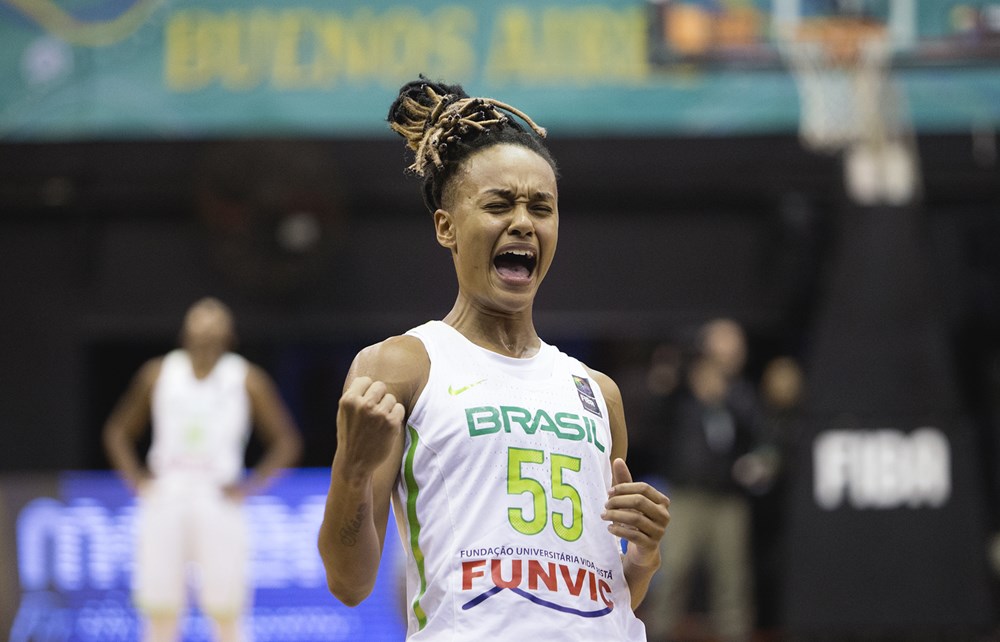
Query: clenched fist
[{"x": 369, "y": 420}]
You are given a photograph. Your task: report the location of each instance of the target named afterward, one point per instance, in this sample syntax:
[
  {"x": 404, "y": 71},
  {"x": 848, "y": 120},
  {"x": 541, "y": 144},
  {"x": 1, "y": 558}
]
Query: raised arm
[
  {"x": 128, "y": 422},
  {"x": 276, "y": 428},
  {"x": 382, "y": 385},
  {"x": 637, "y": 511}
]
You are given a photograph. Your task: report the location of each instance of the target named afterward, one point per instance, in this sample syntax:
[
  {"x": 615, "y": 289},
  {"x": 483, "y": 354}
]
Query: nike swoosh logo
[{"x": 458, "y": 391}]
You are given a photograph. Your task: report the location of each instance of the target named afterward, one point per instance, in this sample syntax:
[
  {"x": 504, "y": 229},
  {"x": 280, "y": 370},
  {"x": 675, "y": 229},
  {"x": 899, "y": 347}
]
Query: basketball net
[{"x": 849, "y": 106}]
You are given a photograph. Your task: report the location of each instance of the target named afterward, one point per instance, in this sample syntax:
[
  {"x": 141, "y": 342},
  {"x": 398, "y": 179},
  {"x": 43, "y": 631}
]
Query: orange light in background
[{"x": 688, "y": 29}]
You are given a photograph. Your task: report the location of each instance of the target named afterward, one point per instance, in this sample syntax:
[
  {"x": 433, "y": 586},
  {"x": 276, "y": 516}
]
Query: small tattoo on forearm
[{"x": 349, "y": 531}]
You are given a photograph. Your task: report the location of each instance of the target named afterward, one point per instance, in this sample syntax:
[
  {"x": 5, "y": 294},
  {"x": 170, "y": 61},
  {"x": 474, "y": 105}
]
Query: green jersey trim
[{"x": 412, "y": 490}]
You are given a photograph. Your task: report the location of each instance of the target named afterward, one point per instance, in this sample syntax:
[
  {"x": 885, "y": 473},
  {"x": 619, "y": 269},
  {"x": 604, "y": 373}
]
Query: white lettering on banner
[
  {"x": 85, "y": 545},
  {"x": 284, "y": 542},
  {"x": 881, "y": 469},
  {"x": 73, "y": 546}
]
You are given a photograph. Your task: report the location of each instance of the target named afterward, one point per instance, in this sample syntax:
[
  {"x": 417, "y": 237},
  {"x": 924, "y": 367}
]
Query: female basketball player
[
  {"x": 504, "y": 457},
  {"x": 201, "y": 400}
]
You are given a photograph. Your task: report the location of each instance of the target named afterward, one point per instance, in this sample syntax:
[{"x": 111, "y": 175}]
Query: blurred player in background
[{"x": 201, "y": 401}]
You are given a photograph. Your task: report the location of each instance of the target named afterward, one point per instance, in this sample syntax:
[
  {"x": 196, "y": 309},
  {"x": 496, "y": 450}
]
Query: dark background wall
[{"x": 103, "y": 245}]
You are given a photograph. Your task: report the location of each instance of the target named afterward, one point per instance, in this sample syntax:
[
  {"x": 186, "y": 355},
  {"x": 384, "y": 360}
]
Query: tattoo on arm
[{"x": 349, "y": 531}]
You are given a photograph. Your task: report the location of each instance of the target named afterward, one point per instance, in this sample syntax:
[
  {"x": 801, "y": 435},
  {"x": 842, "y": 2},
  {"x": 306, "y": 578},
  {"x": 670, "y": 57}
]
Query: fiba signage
[
  {"x": 882, "y": 469},
  {"x": 889, "y": 523}
]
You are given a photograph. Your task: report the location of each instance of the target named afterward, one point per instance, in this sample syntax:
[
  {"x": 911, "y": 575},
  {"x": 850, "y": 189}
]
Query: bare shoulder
[
  {"x": 607, "y": 385},
  {"x": 139, "y": 393},
  {"x": 400, "y": 362},
  {"x": 258, "y": 380},
  {"x": 149, "y": 372},
  {"x": 616, "y": 412},
  {"x": 396, "y": 358}
]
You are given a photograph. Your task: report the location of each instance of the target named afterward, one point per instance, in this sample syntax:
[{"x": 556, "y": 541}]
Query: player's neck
[
  {"x": 512, "y": 335},
  {"x": 203, "y": 361}
]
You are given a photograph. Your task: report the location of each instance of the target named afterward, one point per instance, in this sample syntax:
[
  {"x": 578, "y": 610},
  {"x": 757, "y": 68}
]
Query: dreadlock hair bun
[
  {"x": 443, "y": 125},
  {"x": 420, "y": 103}
]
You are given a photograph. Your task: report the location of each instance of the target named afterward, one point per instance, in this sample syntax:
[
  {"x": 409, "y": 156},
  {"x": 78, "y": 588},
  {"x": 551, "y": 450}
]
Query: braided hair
[{"x": 443, "y": 126}]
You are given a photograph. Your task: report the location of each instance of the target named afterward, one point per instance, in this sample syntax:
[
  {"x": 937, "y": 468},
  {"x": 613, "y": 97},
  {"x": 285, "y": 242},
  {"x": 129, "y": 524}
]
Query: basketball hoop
[{"x": 848, "y": 105}]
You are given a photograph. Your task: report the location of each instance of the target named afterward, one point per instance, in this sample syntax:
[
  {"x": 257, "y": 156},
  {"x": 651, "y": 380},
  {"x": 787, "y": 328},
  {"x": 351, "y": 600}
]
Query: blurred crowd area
[{"x": 722, "y": 420}]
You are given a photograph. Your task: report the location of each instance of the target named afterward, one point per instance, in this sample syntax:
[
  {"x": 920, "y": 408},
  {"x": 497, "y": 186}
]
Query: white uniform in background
[
  {"x": 504, "y": 478},
  {"x": 200, "y": 432}
]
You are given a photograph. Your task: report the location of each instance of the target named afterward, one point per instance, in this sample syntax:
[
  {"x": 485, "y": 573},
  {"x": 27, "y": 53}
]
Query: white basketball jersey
[
  {"x": 200, "y": 426},
  {"x": 504, "y": 477}
]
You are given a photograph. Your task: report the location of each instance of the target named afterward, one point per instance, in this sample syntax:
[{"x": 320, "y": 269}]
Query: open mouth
[{"x": 515, "y": 266}]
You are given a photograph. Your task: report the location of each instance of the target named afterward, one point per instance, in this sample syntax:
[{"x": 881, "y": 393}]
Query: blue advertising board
[{"x": 74, "y": 565}]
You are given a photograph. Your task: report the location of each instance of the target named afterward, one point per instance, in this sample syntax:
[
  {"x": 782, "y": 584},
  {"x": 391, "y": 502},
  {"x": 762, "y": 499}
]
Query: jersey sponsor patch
[
  {"x": 586, "y": 394},
  {"x": 590, "y": 405},
  {"x": 583, "y": 386},
  {"x": 579, "y": 588}
]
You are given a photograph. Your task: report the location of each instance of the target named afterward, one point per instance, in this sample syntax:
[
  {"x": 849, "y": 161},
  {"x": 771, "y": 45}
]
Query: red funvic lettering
[
  {"x": 605, "y": 591},
  {"x": 515, "y": 574},
  {"x": 537, "y": 572},
  {"x": 575, "y": 586},
  {"x": 470, "y": 571}
]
